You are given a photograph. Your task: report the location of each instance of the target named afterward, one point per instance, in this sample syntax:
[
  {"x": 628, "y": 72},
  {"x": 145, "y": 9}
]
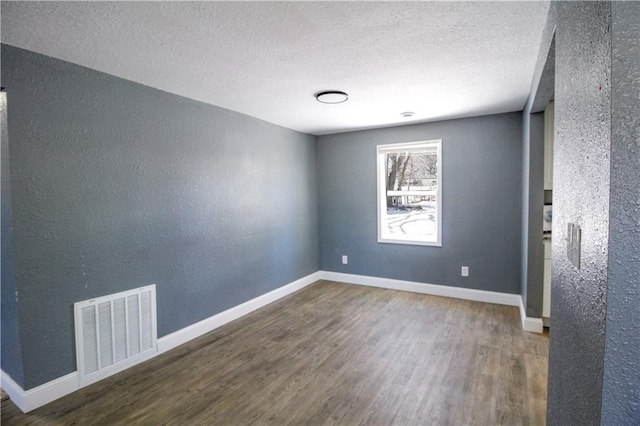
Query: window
[{"x": 409, "y": 193}]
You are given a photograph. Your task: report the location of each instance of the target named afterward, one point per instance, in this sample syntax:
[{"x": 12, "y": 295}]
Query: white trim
[
  {"x": 37, "y": 397},
  {"x": 530, "y": 324},
  {"x": 424, "y": 288},
  {"x": 198, "y": 329},
  {"x": 418, "y": 146},
  {"x": 91, "y": 379},
  {"x": 12, "y": 389},
  {"x": 40, "y": 395}
]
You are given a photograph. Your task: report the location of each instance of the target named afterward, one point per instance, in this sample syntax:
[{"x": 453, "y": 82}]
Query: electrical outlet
[
  {"x": 345, "y": 259},
  {"x": 464, "y": 271}
]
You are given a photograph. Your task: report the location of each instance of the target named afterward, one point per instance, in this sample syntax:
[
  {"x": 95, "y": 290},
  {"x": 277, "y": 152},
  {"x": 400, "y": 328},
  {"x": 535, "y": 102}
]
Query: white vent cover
[{"x": 114, "y": 332}]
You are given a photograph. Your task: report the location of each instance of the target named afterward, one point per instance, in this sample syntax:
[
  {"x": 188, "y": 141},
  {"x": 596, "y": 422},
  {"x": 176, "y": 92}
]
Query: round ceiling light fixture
[
  {"x": 331, "y": 97},
  {"x": 407, "y": 114}
]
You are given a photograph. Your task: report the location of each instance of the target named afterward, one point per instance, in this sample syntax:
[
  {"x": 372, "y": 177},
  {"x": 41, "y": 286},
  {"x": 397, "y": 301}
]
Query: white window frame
[{"x": 381, "y": 167}]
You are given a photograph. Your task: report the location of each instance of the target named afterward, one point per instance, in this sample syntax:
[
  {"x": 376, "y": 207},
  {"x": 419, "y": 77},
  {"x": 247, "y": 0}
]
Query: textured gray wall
[
  {"x": 621, "y": 393},
  {"x": 10, "y": 354},
  {"x": 117, "y": 185},
  {"x": 581, "y": 196},
  {"x": 482, "y": 168}
]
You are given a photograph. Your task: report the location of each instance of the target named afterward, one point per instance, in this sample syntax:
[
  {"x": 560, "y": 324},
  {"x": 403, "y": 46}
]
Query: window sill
[{"x": 410, "y": 242}]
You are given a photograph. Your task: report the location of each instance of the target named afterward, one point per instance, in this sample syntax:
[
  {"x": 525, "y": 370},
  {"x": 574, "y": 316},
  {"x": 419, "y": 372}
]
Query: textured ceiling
[{"x": 267, "y": 59}]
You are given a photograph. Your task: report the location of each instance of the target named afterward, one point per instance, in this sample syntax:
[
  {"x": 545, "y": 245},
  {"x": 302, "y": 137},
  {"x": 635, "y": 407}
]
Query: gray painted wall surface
[
  {"x": 581, "y": 196},
  {"x": 117, "y": 185},
  {"x": 10, "y": 353},
  {"x": 533, "y": 202},
  {"x": 542, "y": 88},
  {"x": 524, "y": 223},
  {"x": 621, "y": 393},
  {"x": 481, "y": 204}
]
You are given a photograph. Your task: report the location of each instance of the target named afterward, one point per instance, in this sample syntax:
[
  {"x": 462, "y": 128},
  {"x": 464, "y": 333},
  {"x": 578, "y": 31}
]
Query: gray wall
[
  {"x": 481, "y": 204},
  {"x": 116, "y": 185},
  {"x": 621, "y": 393},
  {"x": 10, "y": 345},
  {"x": 581, "y": 196},
  {"x": 594, "y": 368},
  {"x": 532, "y": 205},
  {"x": 542, "y": 89}
]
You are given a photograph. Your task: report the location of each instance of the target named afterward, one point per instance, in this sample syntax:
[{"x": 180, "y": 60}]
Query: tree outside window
[{"x": 409, "y": 185}]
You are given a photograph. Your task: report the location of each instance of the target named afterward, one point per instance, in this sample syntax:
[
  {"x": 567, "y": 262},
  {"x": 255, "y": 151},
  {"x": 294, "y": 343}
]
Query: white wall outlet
[
  {"x": 345, "y": 259},
  {"x": 464, "y": 271}
]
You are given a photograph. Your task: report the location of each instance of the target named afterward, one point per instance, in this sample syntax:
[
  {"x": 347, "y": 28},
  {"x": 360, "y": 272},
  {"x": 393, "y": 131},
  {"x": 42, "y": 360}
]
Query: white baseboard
[
  {"x": 188, "y": 333},
  {"x": 40, "y": 395},
  {"x": 12, "y": 389},
  {"x": 37, "y": 397},
  {"x": 531, "y": 324},
  {"x": 432, "y": 289}
]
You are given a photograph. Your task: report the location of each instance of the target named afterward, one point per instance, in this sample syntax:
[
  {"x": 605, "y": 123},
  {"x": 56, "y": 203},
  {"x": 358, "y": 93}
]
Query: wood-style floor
[{"x": 331, "y": 354}]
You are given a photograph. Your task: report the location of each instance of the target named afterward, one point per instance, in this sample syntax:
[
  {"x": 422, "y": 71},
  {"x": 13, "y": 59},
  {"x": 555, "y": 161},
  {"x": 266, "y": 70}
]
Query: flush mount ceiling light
[
  {"x": 407, "y": 114},
  {"x": 331, "y": 97}
]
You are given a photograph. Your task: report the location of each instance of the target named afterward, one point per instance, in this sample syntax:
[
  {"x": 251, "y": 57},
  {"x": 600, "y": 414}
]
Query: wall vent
[{"x": 114, "y": 332}]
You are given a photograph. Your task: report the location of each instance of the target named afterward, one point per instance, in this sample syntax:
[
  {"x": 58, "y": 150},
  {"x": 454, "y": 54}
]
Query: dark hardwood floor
[{"x": 331, "y": 354}]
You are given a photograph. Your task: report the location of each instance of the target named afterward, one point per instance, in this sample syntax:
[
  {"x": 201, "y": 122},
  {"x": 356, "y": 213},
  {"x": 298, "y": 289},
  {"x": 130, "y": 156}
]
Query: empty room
[{"x": 319, "y": 212}]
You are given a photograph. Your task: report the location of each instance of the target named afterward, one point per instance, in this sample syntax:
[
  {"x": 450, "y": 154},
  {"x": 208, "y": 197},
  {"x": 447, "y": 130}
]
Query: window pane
[
  {"x": 412, "y": 185},
  {"x": 411, "y": 171},
  {"x": 412, "y": 223},
  {"x": 409, "y": 200}
]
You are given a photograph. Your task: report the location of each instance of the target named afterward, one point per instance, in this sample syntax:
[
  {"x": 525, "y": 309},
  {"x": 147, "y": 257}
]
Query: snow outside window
[{"x": 409, "y": 193}]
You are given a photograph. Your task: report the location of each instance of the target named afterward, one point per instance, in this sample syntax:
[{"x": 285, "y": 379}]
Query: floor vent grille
[{"x": 115, "y": 331}]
